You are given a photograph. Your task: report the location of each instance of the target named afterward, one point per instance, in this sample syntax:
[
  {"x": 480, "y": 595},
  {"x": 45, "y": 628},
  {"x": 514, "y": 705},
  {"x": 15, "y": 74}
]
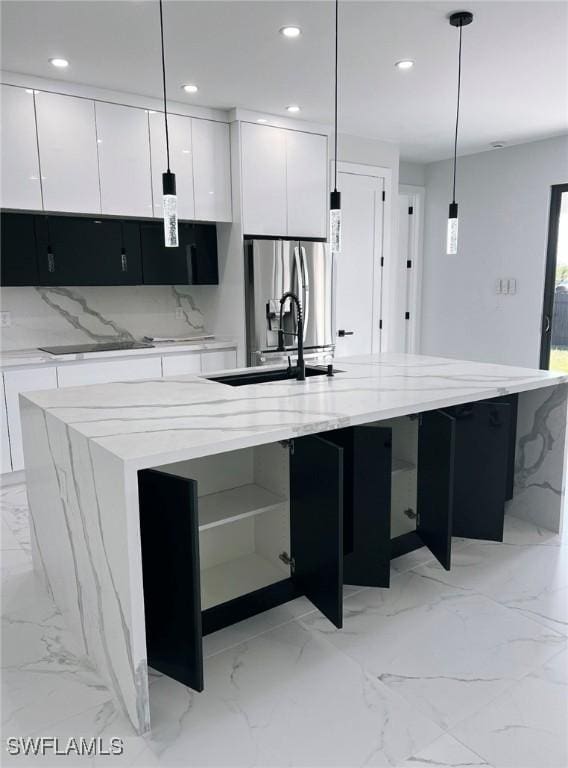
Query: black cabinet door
[
  {"x": 483, "y": 434},
  {"x": 169, "y": 531},
  {"x": 19, "y": 250},
  {"x": 316, "y": 520},
  {"x": 193, "y": 262},
  {"x": 435, "y": 485},
  {"x": 75, "y": 250},
  {"x": 367, "y": 461}
]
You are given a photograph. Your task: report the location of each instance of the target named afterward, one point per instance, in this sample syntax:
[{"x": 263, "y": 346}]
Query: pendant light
[
  {"x": 168, "y": 178},
  {"x": 459, "y": 19},
  {"x": 335, "y": 197}
]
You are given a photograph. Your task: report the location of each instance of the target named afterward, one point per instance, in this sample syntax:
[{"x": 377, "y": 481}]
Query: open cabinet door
[
  {"x": 436, "y": 450},
  {"x": 482, "y": 469},
  {"x": 316, "y": 518},
  {"x": 367, "y": 465},
  {"x": 169, "y": 530}
]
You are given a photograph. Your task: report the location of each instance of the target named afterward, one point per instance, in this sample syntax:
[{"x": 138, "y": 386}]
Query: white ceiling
[{"x": 515, "y": 57}]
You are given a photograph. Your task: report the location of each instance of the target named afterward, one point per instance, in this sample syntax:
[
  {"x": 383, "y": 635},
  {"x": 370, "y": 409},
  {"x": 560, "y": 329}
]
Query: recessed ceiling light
[
  {"x": 497, "y": 144},
  {"x": 290, "y": 31},
  {"x": 404, "y": 64},
  {"x": 262, "y": 120},
  {"x": 292, "y": 108},
  {"x": 58, "y": 62},
  {"x": 190, "y": 88}
]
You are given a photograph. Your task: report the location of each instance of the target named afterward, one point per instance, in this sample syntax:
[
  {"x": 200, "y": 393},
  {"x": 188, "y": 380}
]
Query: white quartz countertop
[
  {"x": 152, "y": 422},
  {"x": 24, "y": 358}
]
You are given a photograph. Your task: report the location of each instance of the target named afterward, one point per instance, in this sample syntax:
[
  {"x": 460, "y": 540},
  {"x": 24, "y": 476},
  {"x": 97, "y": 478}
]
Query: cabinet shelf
[
  {"x": 240, "y": 576},
  {"x": 400, "y": 465},
  {"x": 235, "y": 504}
]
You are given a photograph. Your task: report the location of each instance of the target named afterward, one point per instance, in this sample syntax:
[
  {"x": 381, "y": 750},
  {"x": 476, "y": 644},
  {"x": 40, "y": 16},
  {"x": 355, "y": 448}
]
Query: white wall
[
  {"x": 503, "y": 198},
  {"x": 412, "y": 173}
]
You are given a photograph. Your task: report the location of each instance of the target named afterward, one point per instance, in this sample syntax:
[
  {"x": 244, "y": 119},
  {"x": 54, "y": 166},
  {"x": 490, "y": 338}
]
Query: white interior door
[{"x": 358, "y": 270}]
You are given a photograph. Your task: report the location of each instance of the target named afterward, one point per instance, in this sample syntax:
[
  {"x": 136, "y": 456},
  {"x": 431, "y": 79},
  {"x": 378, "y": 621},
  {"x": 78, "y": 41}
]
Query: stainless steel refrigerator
[{"x": 273, "y": 267}]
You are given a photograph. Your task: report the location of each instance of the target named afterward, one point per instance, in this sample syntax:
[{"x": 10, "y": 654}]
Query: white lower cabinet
[
  {"x": 180, "y": 364},
  {"x": 218, "y": 360},
  {"x": 28, "y": 380},
  {"x": 109, "y": 370},
  {"x": 5, "y": 459}
]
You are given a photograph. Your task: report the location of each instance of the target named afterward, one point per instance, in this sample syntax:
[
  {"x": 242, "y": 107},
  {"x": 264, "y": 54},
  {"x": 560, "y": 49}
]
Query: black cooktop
[{"x": 104, "y": 346}]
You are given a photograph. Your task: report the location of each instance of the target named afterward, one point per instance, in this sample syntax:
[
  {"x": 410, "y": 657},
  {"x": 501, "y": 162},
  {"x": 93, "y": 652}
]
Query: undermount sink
[{"x": 264, "y": 377}]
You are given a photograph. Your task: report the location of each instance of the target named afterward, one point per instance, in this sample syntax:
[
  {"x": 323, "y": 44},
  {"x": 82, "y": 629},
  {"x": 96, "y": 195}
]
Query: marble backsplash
[{"x": 52, "y": 315}]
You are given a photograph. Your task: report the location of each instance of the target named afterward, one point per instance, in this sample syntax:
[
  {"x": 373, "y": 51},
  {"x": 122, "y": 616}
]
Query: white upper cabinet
[
  {"x": 68, "y": 153},
  {"x": 124, "y": 160},
  {"x": 181, "y": 161},
  {"x": 284, "y": 182},
  {"x": 263, "y": 167},
  {"x": 211, "y": 170},
  {"x": 306, "y": 184},
  {"x": 20, "y": 185}
]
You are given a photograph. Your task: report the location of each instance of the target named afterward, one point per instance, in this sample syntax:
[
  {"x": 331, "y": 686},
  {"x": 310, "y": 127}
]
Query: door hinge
[
  {"x": 407, "y": 315},
  {"x": 409, "y": 264},
  {"x": 384, "y": 195},
  {"x": 382, "y": 261},
  {"x": 287, "y": 560},
  {"x": 410, "y": 210}
]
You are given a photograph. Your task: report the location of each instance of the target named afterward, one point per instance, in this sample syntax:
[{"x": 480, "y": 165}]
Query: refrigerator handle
[{"x": 306, "y": 281}]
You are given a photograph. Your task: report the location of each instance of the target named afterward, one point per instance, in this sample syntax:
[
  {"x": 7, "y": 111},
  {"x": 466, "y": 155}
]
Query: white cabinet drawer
[
  {"x": 27, "y": 380},
  {"x": 180, "y": 364},
  {"x": 218, "y": 360},
  {"x": 74, "y": 375}
]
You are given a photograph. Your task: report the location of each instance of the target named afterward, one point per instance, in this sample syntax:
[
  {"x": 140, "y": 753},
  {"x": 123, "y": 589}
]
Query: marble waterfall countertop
[
  {"x": 84, "y": 445},
  {"x": 24, "y": 358},
  {"x": 147, "y": 423}
]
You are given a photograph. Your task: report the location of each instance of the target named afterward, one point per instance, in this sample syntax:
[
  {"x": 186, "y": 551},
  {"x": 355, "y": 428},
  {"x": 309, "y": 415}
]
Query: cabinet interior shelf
[
  {"x": 240, "y": 576},
  {"x": 400, "y": 465},
  {"x": 235, "y": 504}
]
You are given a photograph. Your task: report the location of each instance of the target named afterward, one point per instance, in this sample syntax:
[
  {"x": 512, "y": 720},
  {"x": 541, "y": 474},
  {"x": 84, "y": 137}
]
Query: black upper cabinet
[
  {"x": 19, "y": 259},
  {"x": 193, "y": 262},
  {"x": 87, "y": 251}
]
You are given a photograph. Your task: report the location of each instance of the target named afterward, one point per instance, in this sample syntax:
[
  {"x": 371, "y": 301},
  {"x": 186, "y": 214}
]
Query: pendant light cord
[
  {"x": 164, "y": 84},
  {"x": 336, "y": 60},
  {"x": 457, "y": 114}
]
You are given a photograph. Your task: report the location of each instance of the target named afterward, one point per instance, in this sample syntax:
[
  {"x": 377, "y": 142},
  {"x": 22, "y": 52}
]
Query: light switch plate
[{"x": 511, "y": 285}]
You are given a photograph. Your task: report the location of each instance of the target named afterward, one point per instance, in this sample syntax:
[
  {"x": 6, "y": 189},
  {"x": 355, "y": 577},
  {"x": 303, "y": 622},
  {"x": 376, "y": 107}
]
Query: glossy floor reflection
[{"x": 462, "y": 668}]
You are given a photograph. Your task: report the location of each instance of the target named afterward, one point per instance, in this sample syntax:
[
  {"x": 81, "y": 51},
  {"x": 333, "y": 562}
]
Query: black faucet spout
[{"x": 301, "y": 367}]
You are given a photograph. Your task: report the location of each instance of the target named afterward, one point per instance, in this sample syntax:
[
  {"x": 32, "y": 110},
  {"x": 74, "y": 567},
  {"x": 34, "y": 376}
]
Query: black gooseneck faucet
[{"x": 301, "y": 367}]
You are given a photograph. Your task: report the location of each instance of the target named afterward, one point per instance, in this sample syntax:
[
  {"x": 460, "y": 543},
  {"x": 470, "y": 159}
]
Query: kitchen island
[{"x": 236, "y": 464}]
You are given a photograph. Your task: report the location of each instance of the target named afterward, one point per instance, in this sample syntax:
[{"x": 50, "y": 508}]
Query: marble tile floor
[{"x": 466, "y": 668}]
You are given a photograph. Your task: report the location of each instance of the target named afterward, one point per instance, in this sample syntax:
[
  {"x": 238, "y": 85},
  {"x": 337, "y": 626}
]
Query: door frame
[
  {"x": 416, "y": 243},
  {"x": 556, "y": 192},
  {"x": 384, "y": 275}
]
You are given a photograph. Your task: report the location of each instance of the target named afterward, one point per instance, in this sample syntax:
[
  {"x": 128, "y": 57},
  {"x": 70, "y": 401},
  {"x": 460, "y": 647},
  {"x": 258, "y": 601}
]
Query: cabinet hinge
[
  {"x": 410, "y": 210},
  {"x": 407, "y": 315},
  {"x": 382, "y": 261},
  {"x": 384, "y": 195},
  {"x": 287, "y": 560},
  {"x": 409, "y": 264},
  {"x": 287, "y": 444}
]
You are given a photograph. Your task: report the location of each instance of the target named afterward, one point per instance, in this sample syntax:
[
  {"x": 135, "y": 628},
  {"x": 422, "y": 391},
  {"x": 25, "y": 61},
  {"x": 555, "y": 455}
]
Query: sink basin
[{"x": 263, "y": 377}]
